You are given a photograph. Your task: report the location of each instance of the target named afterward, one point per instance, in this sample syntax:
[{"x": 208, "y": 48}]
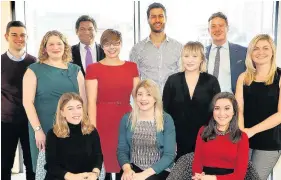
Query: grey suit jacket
[{"x": 237, "y": 61}]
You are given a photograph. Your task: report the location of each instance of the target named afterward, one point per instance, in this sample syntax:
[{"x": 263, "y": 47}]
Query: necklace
[{"x": 221, "y": 133}]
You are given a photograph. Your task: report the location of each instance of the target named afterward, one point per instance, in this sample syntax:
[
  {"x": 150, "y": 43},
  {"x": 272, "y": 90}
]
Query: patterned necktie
[
  {"x": 89, "y": 58},
  {"x": 217, "y": 63}
]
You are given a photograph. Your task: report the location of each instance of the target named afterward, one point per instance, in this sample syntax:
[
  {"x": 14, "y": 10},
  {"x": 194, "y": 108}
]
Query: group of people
[{"x": 184, "y": 100}]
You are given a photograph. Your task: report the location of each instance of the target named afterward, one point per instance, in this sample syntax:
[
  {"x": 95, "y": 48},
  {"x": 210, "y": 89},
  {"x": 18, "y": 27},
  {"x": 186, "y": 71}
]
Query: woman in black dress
[
  {"x": 73, "y": 150},
  {"x": 187, "y": 96},
  {"x": 258, "y": 95}
]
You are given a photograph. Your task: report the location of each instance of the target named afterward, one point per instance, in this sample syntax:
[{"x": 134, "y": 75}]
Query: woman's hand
[
  {"x": 198, "y": 176},
  {"x": 128, "y": 174},
  {"x": 79, "y": 176},
  {"x": 92, "y": 176},
  {"x": 249, "y": 131},
  {"x": 208, "y": 177},
  {"x": 40, "y": 139},
  {"x": 140, "y": 176}
]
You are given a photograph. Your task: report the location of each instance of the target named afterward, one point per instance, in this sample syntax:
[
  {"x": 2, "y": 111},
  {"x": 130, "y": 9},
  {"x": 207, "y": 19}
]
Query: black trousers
[
  {"x": 161, "y": 176},
  {"x": 11, "y": 133}
]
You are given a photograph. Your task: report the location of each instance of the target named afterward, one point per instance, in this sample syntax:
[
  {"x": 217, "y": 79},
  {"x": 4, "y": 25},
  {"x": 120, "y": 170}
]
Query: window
[
  {"x": 44, "y": 16},
  {"x": 188, "y": 20}
]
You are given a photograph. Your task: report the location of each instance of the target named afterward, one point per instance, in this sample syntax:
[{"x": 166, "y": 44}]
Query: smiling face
[
  {"x": 73, "y": 112},
  {"x": 112, "y": 49},
  {"x": 191, "y": 61},
  {"x": 86, "y": 32},
  {"x": 145, "y": 100},
  {"x": 218, "y": 30},
  {"x": 16, "y": 38},
  {"x": 55, "y": 47},
  {"x": 223, "y": 113},
  {"x": 262, "y": 53},
  {"x": 157, "y": 20}
]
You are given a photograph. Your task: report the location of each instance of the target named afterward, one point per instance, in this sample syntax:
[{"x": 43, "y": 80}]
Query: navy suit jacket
[
  {"x": 237, "y": 55},
  {"x": 76, "y": 57}
]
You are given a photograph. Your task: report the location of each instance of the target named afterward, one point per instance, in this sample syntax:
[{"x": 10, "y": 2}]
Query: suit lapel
[
  {"x": 232, "y": 56},
  {"x": 208, "y": 48},
  {"x": 77, "y": 57}
]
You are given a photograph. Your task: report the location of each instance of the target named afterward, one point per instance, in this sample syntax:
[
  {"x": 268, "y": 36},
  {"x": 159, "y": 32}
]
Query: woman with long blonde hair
[
  {"x": 259, "y": 100},
  {"x": 187, "y": 96},
  {"x": 43, "y": 84},
  {"x": 73, "y": 148},
  {"x": 147, "y": 142}
]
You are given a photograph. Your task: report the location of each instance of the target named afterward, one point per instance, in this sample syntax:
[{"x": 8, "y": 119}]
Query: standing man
[
  {"x": 158, "y": 55},
  {"x": 14, "y": 122},
  {"x": 87, "y": 51},
  {"x": 226, "y": 60}
]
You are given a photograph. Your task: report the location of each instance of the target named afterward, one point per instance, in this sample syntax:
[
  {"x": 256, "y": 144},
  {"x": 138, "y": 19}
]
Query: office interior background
[{"x": 186, "y": 20}]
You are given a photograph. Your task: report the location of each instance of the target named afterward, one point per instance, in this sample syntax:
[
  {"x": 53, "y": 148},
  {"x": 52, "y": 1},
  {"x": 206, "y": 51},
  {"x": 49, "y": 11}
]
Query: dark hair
[
  {"x": 85, "y": 18},
  {"x": 234, "y": 132},
  {"x": 219, "y": 15},
  {"x": 110, "y": 35},
  {"x": 153, "y": 6},
  {"x": 14, "y": 24}
]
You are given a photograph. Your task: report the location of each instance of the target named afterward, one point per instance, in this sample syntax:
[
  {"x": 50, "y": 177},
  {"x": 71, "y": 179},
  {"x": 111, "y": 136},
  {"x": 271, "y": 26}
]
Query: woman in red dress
[{"x": 109, "y": 84}]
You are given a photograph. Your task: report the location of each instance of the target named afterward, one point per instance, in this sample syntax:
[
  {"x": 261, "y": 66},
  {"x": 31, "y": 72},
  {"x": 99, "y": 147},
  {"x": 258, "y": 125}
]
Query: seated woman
[
  {"x": 147, "y": 142},
  {"x": 221, "y": 151},
  {"x": 73, "y": 148}
]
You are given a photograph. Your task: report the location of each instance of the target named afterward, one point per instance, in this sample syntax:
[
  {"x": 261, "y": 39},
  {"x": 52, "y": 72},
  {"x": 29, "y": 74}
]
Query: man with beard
[
  {"x": 14, "y": 122},
  {"x": 86, "y": 51},
  {"x": 226, "y": 60},
  {"x": 158, "y": 55}
]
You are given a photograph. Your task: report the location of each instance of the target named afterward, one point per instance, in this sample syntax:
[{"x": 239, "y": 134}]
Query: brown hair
[
  {"x": 61, "y": 128},
  {"x": 110, "y": 35},
  {"x": 42, "y": 55}
]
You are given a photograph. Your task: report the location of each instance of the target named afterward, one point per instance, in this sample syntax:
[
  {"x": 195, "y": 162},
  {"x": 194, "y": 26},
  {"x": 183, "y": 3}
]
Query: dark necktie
[{"x": 217, "y": 63}]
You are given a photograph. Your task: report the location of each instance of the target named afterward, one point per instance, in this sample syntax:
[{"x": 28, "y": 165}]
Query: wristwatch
[{"x": 37, "y": 128}]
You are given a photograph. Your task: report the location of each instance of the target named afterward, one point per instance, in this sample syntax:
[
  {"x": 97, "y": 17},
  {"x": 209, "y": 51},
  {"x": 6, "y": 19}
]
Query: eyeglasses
[{"x": 115, "y": 44}]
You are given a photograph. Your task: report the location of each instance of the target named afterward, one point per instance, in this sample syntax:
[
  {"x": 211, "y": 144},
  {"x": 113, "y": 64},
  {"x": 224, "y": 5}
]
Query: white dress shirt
[
  {"x": 83, "y": 53},
  {"x": 224, "y": 77}
]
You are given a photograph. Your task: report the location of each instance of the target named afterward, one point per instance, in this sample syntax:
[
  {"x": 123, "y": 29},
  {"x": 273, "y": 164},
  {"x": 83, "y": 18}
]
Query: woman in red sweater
[{"x": 221, "y": 151}]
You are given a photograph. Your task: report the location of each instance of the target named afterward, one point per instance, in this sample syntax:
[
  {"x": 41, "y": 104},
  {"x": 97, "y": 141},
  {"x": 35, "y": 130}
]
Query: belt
[
  {"x": 113, "y": 102},
  {"x": 217, "y": 171}
]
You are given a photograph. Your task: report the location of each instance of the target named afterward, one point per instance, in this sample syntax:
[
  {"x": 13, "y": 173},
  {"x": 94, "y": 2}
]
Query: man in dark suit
[
  {"x": 87, "y": 51},
  {"x": 226, "y": 60}
]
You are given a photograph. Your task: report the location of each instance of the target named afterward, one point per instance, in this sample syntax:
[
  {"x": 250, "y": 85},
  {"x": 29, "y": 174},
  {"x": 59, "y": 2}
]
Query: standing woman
[
  {"x": 187, "y": 96},
  {"x": 258, "y": 96},
  {"x": 44, "y": 83},
  {"x": 109, "y": 84},
  {"x": 147, "y": 143}
]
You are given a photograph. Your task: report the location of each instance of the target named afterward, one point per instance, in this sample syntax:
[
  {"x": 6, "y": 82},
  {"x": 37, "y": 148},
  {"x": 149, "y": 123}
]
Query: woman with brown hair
[
  {"x": 73, "y": 149},
  {"x": 109, "y": 84},
  {"x": 43, "y": 84}
]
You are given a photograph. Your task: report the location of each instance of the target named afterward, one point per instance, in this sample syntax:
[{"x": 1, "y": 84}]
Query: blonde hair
[
  {"x": 61, "y": 128},
  {"x": 250, "y": 66},
  {"x": 43, "y": 55},
  {"x": 153, "y": 89},
  {"x": 194, "y": 47}
]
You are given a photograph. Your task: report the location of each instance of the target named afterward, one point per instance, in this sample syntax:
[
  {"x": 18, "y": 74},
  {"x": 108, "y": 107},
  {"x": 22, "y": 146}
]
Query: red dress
[{"x": 115, "y": 85}]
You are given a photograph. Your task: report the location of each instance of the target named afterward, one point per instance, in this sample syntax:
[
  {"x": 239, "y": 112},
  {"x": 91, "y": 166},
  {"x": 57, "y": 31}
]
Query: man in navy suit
[
  {"x": 225, "y": 60},
  {"x": 86, "y": 51}
]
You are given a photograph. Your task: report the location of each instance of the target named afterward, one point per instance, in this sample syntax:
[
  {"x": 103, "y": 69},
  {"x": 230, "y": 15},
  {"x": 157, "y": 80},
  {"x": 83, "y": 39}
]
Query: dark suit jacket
[
  {"x": 237, "y": 61},
  {"x": 76, "y": 57}
]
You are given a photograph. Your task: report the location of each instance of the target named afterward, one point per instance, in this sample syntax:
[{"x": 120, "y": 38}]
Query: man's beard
[{"x": 157, "y": 31}]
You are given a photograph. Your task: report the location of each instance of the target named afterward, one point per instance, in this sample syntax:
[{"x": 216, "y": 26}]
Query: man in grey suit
[{"x": 226, "y": 60}]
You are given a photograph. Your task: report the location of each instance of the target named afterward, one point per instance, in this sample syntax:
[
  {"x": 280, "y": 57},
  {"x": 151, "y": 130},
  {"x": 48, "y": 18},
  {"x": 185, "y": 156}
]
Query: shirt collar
[
  {"x": 82, "y": 46},
  {"x": 224, "y": 46},
  {"x": 149, "y": 40},
  {"x": 15, "y": 58}
]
